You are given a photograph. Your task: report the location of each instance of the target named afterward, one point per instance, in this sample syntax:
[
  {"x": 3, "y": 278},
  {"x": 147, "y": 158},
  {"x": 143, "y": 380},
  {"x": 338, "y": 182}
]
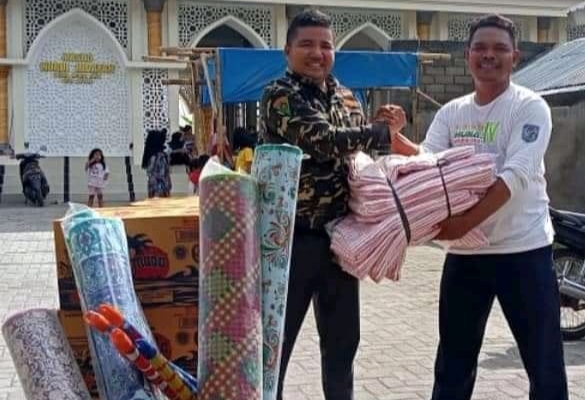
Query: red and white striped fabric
[{"x": 372, "y": 240}]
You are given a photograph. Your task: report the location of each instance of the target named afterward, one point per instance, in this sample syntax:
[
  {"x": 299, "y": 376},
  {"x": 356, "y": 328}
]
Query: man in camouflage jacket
[{"x": 308, "y": 108}]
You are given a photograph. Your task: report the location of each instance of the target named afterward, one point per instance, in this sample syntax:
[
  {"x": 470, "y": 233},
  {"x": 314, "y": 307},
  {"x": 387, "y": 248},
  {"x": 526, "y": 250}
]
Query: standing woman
[{"x": 156, "y": 163}]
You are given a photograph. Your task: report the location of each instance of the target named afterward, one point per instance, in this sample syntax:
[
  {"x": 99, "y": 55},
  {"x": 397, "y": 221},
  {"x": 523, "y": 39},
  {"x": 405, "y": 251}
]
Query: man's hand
[
  {"x": 455, "y": 228},
  {"x": 394, "y": 116}
]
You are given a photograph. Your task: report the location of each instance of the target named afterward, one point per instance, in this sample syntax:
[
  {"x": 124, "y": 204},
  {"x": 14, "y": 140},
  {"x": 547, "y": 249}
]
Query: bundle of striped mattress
[{"x": 398, "y": 201}]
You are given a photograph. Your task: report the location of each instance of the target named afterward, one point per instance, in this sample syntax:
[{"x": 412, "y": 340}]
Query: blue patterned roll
[
  {"x": 98, "y": 250},
  {"x": 277, "y": 169},
  {"x": 43, "y": 357}
]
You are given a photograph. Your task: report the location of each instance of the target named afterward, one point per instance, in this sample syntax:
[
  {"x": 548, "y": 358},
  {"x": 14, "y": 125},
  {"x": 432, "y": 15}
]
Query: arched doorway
[
  {"x": 224, "y": 36},
  {"x": 361, "y": 41},
  {"x": 365, "y": 37}
]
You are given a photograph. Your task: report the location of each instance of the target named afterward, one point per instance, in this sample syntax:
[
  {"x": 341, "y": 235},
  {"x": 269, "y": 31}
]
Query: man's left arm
[{"x": 525, "y": 152}]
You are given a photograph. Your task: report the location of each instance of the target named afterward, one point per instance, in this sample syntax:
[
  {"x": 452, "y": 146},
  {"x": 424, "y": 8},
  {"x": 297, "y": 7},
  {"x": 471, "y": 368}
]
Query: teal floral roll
[
  {"x": 98, "y": 250},
  {"x": 277, "y": 169}
]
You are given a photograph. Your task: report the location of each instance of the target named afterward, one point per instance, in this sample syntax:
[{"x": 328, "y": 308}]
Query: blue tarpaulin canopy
[{"x": 245, "y": 72}]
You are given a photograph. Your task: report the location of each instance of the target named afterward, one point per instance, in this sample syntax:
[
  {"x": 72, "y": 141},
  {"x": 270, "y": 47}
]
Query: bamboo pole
[
  {"x": 220, "y": 125},
  {"x": 424, "y": 58},
  {"x": 185, "y": 52},
  {"x": 433, "y": 56},
  {"x": 4, "y": 73},
  {"x": 181, "y": 82},
  {"x": 196, "y": 109},
  {"x": 165, "y": 59},
  {"x": 209, "y": 82},
  {"x": 428, "y": 98}
]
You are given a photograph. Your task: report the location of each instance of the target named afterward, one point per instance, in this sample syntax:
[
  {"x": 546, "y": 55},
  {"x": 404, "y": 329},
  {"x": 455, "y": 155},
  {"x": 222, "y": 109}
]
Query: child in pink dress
[{"x": 97, "y": 176}]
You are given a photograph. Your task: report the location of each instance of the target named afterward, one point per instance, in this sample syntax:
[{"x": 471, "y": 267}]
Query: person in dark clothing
[
  {"x": 189, "y": 141},
  {"x": 308, "y": 107},
  {"x": 156, "y": 163},
  {"x": 179, "y": 154},
  {"x": 253, "y": 132}
]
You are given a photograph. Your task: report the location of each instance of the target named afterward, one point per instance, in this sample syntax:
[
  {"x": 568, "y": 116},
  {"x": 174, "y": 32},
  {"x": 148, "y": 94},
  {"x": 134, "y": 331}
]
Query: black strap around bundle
[
  {"x": 405, "y": 223},
  {"x": 440, "y": 164}
]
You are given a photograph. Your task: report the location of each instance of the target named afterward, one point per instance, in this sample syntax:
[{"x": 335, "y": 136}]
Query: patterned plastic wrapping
[
  {"x": 42, "y": 356},
  {"x": 230, "y": 327},
  {"x": 277, "y": 168},
  {"x": 98, "y": 250}
]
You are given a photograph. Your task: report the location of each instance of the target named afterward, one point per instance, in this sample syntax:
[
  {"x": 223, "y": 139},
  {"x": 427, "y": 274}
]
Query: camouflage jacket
[{"x": 327, "y": 126}]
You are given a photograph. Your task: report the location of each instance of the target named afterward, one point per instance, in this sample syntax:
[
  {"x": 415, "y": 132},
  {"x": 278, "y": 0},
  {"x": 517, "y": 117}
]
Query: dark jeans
[
  {"x": 335, "y": 298},
  {"x": 526, "y": 288}
]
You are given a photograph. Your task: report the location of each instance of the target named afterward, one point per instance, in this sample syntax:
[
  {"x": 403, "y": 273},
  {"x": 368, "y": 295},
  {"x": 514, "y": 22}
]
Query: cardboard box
[
  {"x": 164, "y": 253},
  {"x": 174, "y": 329}
]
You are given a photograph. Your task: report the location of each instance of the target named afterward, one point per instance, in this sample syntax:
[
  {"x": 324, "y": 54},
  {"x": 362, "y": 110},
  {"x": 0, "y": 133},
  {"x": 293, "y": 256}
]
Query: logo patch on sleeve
[
  {"x": 530, "y": 133},
  {"x": 282, "y": 106}
]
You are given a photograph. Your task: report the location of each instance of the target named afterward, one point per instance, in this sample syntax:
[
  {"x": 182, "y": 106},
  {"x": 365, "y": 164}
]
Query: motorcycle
[
  {"x": 569, "y": 263},
  {"x": 34, "y": 183}
]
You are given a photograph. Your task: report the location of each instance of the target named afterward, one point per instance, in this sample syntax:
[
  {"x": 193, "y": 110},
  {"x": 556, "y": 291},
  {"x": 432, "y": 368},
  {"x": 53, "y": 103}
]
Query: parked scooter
[
  {"x": 34, "y": 183},
  {"x": 569, "y": 262}
]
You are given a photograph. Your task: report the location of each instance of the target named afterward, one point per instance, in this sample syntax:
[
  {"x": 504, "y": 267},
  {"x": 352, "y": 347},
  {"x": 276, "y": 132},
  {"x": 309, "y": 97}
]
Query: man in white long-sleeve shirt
[{"x": 513, "y": 124}]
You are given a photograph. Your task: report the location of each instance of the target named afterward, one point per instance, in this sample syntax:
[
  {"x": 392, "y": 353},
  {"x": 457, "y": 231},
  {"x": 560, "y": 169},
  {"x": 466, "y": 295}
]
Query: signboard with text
[
  {"x": 77, "y": 68},
  {"x": 78, "y": 91}
]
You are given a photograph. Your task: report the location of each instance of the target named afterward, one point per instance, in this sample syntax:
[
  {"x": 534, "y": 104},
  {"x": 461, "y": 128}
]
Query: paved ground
[{"x": 399, "y": 323}]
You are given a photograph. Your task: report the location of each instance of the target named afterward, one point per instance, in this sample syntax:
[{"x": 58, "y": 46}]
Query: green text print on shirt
[{"x": 485, "y": 134}]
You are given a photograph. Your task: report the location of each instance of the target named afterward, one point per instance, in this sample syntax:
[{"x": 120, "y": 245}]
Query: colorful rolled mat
[
  {"x": 143, "y": 355},
  {"x": 42, "y": 356},
  {"x": 277, "y": 169},
  {"x": 230, "y": 326},
  {"x": 98, "y": 251}
]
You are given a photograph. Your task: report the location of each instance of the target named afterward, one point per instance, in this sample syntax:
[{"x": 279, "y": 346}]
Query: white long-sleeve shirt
[{"x": 516, "y": 129}]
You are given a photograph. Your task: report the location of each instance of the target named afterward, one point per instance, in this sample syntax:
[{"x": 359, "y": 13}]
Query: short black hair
[
  {"x": 242, "y": 138},
  {"x": 494, "y": 21},
  {"x": 309, "y": 17}
]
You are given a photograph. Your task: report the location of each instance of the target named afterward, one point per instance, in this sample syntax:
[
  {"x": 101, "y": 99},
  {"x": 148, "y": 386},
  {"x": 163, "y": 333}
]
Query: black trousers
[
  {"x": 526, "y": 288},
  {"x": 335, "y": 294}
]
